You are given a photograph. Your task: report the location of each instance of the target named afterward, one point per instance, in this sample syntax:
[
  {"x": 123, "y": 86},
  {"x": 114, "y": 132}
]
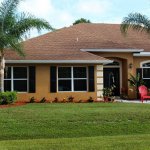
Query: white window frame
[
  {"x": 141, "y": 65},
  {"x": 18, "y": 79},
  {"x": 72, "y": 79}
]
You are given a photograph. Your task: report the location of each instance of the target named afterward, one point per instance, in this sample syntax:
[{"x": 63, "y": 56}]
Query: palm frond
[
  {"x": 17, "y": 47},
  {"x": 7, "y": 9},
  {"x": 137, "y": 22},
  {"x": 26, "y": 22}
]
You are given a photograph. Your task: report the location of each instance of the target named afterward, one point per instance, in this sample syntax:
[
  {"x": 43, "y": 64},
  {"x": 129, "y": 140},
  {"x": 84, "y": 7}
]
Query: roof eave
[
  {"x": 142, "y": 54},
  {"x": 113, "y": 50},
  {"x": 58, "y": 61}
]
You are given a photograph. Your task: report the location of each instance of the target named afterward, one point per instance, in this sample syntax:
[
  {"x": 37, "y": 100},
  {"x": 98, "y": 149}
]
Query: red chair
[{"x": 143, "y": 91}]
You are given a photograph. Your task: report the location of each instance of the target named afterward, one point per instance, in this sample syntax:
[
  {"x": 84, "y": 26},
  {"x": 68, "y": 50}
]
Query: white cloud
[
  {"x": 93, "y": 6},
  {"x": 65, "y": 18},
  {"x": 37, "y": 7}
]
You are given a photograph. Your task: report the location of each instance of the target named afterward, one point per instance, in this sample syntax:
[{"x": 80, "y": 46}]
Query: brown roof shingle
[{"x": 65, "y": 43}]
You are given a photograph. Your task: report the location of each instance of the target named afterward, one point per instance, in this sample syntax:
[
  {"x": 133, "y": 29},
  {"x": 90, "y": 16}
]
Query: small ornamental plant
[
  {"x": 90, "y": 99},
  {"x": 108, "y": 92},
  {"x": 43, "y": 100},
  {"x": 55, "y": 100},
  {"x": 32, "y": 100},
  {"x": 70, "y": 99}
]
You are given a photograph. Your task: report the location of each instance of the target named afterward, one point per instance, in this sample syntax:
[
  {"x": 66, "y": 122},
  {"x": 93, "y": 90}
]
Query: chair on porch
[{"x": 143, "y": 91}]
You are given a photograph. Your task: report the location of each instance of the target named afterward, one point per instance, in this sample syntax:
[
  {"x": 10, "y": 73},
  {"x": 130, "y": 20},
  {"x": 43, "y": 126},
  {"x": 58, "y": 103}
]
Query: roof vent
[{"x": 77, "y": 39}]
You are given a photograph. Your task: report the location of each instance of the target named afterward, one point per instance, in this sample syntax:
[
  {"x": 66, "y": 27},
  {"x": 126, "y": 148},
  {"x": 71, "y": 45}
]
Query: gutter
[
  {"x": 141, "y": 54},
  {"x": 58, "y": 61},
  {"x": 112, "y": 50}
]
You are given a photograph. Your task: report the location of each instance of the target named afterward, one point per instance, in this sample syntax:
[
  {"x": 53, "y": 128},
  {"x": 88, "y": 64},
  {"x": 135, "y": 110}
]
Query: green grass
[{"x": 76, "y": 126}]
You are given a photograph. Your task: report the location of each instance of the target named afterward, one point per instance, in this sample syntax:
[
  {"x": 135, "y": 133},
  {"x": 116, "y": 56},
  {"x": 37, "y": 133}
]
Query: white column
[{"x": 99, "y": 81}]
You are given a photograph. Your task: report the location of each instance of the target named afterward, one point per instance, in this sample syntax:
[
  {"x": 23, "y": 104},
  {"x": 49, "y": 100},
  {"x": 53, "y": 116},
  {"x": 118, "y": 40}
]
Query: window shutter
[
  {"x": 91, "y": 78},
  {"x": 53, "y": 79},
  {"x": 32, "y": 79},
  {"x": 139, "y": 71}
]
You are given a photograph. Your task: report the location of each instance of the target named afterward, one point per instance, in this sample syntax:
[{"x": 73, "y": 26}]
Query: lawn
[{"x": 105, "y": 126}]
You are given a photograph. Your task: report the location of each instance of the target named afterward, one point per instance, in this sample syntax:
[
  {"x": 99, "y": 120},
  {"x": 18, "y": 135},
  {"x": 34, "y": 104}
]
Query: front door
[{"x": 112, "y": 77}]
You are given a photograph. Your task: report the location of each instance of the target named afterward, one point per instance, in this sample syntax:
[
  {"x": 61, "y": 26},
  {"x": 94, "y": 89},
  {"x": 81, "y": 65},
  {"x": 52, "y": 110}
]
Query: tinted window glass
[
  {"x": 113, "y": 64},
  {"x": 64, "y": 72},
  {"x": 79, "y": 72},
  {"x": 7, "y": 74},
  {"x": 20, "y": 72},
  {"x": 20, "y": 85},
  {"x": 7, "y": 85},
  {"x": 146, "y": 65},
  {"x": 80, "y": 85},
  {"x": 146, "y": 72},
  {"x": 64, "y": 85}
]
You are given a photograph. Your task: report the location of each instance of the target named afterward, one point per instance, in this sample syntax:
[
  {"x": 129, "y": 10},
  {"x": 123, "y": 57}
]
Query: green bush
[{"x": 7, "y": 97}]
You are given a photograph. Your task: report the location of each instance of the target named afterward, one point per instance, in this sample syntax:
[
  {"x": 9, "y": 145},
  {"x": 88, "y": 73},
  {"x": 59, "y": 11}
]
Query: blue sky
[{"x": 62, "y": 13}]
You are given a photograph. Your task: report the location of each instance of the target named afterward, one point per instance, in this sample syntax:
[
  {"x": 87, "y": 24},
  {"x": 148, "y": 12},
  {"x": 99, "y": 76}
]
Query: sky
[{"x": 62, "y": 13}]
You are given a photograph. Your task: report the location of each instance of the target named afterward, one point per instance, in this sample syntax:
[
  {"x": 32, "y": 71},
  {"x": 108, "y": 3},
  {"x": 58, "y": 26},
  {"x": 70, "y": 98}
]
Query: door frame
[{"x": 120, "y": 71}]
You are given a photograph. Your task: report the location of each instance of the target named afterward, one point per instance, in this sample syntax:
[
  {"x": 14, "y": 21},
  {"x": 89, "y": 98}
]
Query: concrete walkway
[{"x": 132, "y": 101}]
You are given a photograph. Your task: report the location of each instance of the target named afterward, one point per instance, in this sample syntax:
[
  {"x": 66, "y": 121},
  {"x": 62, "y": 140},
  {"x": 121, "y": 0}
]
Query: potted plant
[
  {"x": 108, "y": 93},
  {"x": 136, "y": 81}
]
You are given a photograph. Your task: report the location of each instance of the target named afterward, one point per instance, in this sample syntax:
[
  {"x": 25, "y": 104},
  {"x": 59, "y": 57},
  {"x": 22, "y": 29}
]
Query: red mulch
[{"x": 13, "y": 105}]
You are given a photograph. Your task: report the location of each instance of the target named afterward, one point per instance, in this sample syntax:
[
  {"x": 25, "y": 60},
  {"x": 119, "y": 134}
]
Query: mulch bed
[{"x": 13, "y": 105}]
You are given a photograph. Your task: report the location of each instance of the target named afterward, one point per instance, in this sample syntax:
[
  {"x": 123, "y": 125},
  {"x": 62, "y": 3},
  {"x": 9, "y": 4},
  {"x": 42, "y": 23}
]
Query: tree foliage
[
  {"x": 135, "y": 21},
  {"x": 13, "y": 28},
  {"x": 81, "y": 20}
]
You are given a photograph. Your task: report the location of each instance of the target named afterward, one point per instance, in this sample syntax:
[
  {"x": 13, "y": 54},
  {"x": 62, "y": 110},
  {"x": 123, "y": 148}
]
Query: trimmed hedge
[{"x": 7, "y": 97}]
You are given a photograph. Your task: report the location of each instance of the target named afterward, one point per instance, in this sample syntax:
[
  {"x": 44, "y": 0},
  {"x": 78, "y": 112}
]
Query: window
[
  {"x": 114, "y": 63},
  {"x": 16, "y": 79},
  {"x": 146, "y": 73},
  {"x": 72, "y": 79}
]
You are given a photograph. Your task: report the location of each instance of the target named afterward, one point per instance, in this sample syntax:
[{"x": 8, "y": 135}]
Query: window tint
[
  {"x": 20, "y": 85},
  {"x": 72, "y": 75},
  {"x": 146, "y": 65},
  {"x": 146, "y": 72},
  {"x": 80, "y": 85},
  {"x": 7, "y": 85},
  {"x": 64, "y": 72},
  {"x": 20, "y": 72},
  {"x": 64, "y": 85},
  {"x": 79, "y": 72},
  {"x": 16, "y": 79},
  {"x": 7, "y": 74}
]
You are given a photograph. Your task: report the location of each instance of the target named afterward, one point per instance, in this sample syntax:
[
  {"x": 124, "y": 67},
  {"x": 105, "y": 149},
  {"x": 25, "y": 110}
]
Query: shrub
[
  {"x": 32, "y": 100},
  {"x": 7, "y": 97},
  {"x": 55, "y": 100},
  {"x": 90, "y": 99},
  {"x": 43, "y": 100},
  {"x": 70, "y": 99}
]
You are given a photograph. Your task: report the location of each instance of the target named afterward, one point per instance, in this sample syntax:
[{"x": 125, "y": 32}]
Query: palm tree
[
  {"x": 135, "y": 21},
  {"x": 13, "y": 29}
]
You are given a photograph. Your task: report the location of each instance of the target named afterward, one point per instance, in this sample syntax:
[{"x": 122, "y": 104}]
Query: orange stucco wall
[
  {"x": 43, "y": 87},
  {"x": 43, "y": 79},
  {"x": 126, "y": 59}
]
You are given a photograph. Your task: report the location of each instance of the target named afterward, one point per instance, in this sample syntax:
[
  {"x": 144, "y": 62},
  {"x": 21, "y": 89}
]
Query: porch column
[{"x": 99, "y": 81}]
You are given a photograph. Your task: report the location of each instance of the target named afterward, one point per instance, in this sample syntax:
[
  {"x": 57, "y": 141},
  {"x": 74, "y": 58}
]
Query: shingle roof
[{"x": 65, "y": 43}]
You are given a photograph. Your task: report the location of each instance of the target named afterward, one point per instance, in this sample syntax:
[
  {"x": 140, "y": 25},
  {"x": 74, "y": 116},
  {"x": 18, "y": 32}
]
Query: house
[{"x": 78, "y": 61}]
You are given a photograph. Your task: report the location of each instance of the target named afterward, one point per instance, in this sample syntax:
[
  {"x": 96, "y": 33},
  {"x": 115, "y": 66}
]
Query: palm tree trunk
[{"x": 2, "y": 67}]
